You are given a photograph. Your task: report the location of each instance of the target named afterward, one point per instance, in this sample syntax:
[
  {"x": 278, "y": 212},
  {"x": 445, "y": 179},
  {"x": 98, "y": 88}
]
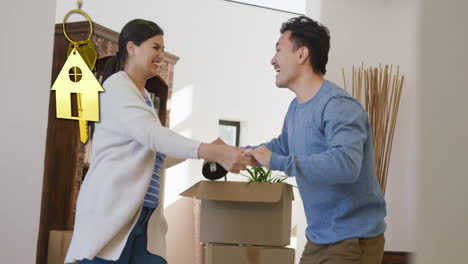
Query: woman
[{"x": 119, "y": 215}]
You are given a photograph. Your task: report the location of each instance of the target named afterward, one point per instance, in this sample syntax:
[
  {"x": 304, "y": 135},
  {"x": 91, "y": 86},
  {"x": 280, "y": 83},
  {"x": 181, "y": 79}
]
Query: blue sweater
[{"x": 326, "y": 143}]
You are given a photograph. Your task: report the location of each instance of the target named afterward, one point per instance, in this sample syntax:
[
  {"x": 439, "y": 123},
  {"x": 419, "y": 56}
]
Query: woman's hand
[{"x": 233, "y": 159}]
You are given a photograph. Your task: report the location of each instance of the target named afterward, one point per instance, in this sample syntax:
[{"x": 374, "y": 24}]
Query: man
[{"x": 326, "y": 144}]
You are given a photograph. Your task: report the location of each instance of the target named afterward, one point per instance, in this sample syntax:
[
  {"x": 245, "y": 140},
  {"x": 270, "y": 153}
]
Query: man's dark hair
[{"x": 311, "y": 34}]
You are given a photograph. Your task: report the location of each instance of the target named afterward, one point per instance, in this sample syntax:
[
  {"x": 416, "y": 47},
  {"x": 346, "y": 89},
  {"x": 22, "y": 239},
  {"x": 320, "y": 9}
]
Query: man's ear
[
  {"x": 130, "y": 48},
  {"x": 303, "y": 55}
]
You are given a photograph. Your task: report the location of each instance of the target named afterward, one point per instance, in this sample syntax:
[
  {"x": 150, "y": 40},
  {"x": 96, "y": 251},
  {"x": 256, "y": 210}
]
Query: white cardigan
[{"x": 111, "y": 196}]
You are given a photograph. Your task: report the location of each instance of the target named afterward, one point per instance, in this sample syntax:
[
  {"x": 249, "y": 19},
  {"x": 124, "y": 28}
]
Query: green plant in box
[{"x": 259, "y": 174}]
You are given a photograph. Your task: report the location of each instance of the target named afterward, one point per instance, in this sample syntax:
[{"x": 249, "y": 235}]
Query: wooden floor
[{"x": 395, "y": 257}]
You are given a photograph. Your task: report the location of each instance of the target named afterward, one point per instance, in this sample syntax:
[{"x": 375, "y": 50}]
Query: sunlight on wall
[
  {"x": 176, "y": 181},
  {"x": 181, "y": 105},
  {"x": 178, "y": 177}
]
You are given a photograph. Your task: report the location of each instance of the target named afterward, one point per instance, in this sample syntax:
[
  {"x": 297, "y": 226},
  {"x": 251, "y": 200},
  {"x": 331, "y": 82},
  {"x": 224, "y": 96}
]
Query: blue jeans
[{"x": 134, "y": 251}]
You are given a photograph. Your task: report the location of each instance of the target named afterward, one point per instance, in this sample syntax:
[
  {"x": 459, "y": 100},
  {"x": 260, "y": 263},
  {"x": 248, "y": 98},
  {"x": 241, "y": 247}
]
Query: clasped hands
[{"x": 235, "y": 159}]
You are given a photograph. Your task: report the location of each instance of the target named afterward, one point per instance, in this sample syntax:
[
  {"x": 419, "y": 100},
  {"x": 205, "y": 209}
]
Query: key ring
[{"x": 87, "y": 18}]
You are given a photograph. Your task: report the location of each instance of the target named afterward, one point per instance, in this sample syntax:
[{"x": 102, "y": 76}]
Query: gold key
[
  {"x": 88, "y": 52},
  {"x": 82, "y": 124},
  {"x": 76, "y": 77}
]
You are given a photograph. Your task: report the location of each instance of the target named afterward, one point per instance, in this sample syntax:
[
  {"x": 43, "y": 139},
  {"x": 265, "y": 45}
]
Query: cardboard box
[
  {"x": 59, "y": 241},
  {"x": 244, "y": 213},
  {"x": 231, "y": 254}
]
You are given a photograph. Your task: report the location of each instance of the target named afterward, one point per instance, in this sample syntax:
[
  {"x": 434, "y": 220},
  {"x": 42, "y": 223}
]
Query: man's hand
[
  {"x": 218, "y": 141},
  {"x": 241, "y": 159},
  {"x": 262, "y": 154},
  {"x": 233, "y": 159},
  {"x": 248, "y": 159}
]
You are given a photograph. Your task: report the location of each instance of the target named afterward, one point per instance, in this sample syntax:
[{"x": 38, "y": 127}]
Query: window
[
  {"x": 75, "y": 74},
  {"x": 229, "y": 132}
]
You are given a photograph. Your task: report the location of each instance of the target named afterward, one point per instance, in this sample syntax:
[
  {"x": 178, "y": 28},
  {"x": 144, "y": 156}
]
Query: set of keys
[{"x": 76, "y": 77}]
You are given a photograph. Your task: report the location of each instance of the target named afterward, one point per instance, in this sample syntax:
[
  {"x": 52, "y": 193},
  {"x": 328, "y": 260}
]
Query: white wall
[
  {"x": 382, "y": 32},
  {"x": 438, "y": 128},
  {"x": 442, "y": 223},
  {"x": 25, "y": 69}
]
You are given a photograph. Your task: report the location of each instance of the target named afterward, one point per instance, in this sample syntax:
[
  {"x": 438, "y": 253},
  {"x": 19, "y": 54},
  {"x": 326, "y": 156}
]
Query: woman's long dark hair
[{"x": 137, "y": 31}]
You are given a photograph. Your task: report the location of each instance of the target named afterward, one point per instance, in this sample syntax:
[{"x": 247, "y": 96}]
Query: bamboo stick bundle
[{"x": 379, "y": 91}]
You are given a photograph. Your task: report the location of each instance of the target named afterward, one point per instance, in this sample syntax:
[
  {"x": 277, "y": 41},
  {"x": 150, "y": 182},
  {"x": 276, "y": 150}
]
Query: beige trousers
[{"x": 349, "y": 251}]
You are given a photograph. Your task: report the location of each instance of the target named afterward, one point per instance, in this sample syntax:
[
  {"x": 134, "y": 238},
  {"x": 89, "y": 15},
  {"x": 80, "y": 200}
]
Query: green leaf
[
  {"x": 250, "y": 172},
  {"x": 260, "y": 174}
]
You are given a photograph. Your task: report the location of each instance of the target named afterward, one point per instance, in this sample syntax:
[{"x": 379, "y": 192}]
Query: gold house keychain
[{"x": 76, "y": 81}]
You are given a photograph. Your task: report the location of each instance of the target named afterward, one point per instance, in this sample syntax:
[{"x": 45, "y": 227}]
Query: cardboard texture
[
  {"x": 244, "y": 213},
  {"x": 59, "y": 241},
  {"x": 231, "y": 254}
]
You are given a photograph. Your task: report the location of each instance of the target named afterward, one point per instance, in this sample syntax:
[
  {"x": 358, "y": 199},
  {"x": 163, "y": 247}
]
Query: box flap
[{"x": 238, "y": 191}]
